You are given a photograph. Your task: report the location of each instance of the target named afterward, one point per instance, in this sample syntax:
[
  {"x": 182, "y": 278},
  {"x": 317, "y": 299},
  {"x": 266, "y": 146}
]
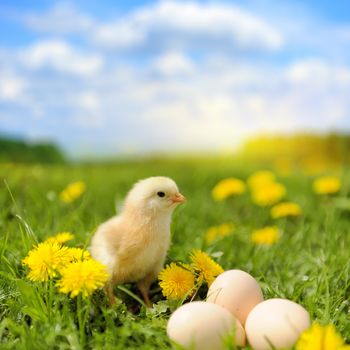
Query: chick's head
[{"x": 154, "y": 194}]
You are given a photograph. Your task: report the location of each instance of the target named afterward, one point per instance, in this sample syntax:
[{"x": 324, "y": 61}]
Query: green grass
[{"x": 310, "y": 263}]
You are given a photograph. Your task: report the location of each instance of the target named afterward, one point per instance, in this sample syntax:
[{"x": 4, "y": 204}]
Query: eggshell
[
  {"x": 236, "y": 291},
  {"x": 203, "y": 326},
  {"x": 280, "y": 321}
]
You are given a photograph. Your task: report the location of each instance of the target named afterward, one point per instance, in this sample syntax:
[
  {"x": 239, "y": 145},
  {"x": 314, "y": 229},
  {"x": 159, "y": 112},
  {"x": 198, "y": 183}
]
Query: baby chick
[{"x": 133, "y": 244}]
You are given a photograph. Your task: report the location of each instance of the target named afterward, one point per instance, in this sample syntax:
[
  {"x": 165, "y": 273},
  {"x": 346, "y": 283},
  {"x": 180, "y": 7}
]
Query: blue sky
[{"x": 148, "y": 76}]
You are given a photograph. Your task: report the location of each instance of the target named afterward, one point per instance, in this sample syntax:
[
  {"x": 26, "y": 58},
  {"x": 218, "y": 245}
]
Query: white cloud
[
  {"x": 122, "y": 35},
  {"x": 88, "y": 110},
  {"x": 186, "y": 24},
  {"x": 173, "y": 63},
  {"x": 63, "y": 18},
  {"x": 58, "y": 55},
  {"x": 315, "y": 70},
  {"x": 88, "y": 100},
  {"x": 11, "y": 87}
]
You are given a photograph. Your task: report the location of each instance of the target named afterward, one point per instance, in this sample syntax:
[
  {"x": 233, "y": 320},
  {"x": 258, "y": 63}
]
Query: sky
[{"x": 130, "y": 77}]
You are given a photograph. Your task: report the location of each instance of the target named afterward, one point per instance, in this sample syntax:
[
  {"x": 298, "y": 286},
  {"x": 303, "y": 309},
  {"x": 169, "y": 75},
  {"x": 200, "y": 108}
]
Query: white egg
[
  {"x": 236, "y": 291},
  {"x": 203, "y": 326},
  {"x": 276, "y": 323}
]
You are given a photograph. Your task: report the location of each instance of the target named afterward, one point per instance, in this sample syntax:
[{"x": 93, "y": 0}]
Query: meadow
[{"x": 309, "y": 263}]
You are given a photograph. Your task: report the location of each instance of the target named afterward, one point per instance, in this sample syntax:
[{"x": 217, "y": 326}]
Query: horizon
[{"x": 237, "y": 152}]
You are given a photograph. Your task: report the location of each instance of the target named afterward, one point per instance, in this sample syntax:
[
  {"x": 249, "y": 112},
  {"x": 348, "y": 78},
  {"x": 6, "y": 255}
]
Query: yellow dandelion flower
[
  {"x": 261, "y": 178},
  {"x": 285, "y": 209},
  {"x": 61, "y": 237},
  {"x": 220, "y": 231},
  {"x": 326, "y": 185},
  {"x": 268, "y": 194},
  {"x": 176, "y": 282},
  {"x": 267, "y": 235},
  {"x": 228, "y": 187},
  {"x": 82, "y": 277},
  {"x": 72, "y": 191},
  {"x": 45, "y": 260},
  {"x": 78, "y": 254},
  {"x": 319, "y": 337},
  {"x": 205, "y": 266}
]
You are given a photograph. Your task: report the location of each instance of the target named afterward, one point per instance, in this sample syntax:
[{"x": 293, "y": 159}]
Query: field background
[{"x": 309, "y": 264}]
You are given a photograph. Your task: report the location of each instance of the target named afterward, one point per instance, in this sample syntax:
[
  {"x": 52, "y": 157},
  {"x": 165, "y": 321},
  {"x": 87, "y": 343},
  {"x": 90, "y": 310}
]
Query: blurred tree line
[
  {"x": 314, "y": 153},
  {"x": 12, "y": 150}
]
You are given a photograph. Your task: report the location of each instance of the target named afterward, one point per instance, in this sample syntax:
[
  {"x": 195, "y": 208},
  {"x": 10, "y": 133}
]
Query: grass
[{"x": 309, "y": 264}]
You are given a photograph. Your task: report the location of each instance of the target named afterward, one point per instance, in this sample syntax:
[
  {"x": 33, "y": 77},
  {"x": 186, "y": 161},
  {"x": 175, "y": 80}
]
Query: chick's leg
[
  {"x": 144, "y": 286},
  {"x": 146, "y": 282},
  {"x": 110, "y": 295}
]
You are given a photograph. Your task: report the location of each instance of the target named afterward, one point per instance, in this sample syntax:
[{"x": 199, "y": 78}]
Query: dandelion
[
  {"x": 61, "y": 237},
  {"x": 285, "y": 209},
  {"x": 228, "y": 187},
  {"x": 268, "y": 194},
  {"x": 72, "y": 191},
  {"x": 326, "y": 185},
  {"x": 82, "y": 277},
  {"x": 319, "y": 337},
  {"x": 205, "y": 266},
  {"x": 220, "y": 231},
  {"x": 176, "y": 282},
  {"x": 261, "y": 178},
  {"x": 78, "y": 254},
  {"x": 45, "y": 260},
  {"x": 266, "y": 236}
]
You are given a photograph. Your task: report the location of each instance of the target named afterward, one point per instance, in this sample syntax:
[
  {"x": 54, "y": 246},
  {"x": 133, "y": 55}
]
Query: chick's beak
[{"x": 178, "y": 198}]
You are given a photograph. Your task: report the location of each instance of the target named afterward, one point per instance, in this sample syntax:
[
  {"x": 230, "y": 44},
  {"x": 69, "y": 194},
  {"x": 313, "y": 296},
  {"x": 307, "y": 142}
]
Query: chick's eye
[{"x": 160, "y": 194}]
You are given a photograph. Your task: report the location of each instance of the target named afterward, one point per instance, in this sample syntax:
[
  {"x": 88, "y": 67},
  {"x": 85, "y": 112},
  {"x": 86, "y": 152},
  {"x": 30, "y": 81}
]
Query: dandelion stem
[
  {"x": 50, "y": 298},
  {"x": 197, "y": 286},
  {"x": 81, "y": 322},
  {"x": 47, "y": 299}
]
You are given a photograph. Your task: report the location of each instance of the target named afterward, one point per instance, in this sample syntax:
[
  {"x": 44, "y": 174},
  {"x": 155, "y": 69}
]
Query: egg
[
  {"x": 276, "y": 323},
  {"x": 236, "y": 291},
  {"x": 203, "y": 326}
]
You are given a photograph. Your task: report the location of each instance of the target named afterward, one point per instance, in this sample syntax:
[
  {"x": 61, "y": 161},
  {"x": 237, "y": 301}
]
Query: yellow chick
[{"x": 133, "y": 245}]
